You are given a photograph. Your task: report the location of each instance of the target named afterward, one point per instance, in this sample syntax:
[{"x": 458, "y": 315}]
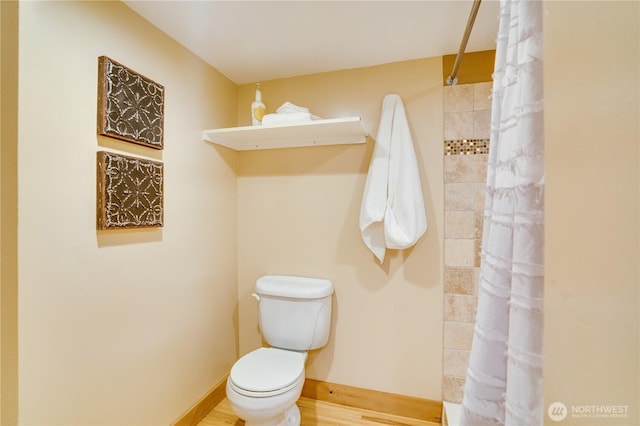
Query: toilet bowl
[
  {"x": 294, "y": 317},
  {"x": 265, "y": 384}
]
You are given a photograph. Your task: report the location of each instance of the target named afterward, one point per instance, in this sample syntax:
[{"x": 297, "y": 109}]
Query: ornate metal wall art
[
  {"x": 130, "y": 106},
  {"x": 129, "y": 192}
]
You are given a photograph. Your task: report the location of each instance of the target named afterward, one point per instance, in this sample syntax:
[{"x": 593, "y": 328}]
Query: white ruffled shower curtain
[{"x": 504, "y": 382}]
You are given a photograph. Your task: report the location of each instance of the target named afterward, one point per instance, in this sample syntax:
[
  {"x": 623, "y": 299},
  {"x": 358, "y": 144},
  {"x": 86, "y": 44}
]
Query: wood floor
[{"x": 318, "y": 413}]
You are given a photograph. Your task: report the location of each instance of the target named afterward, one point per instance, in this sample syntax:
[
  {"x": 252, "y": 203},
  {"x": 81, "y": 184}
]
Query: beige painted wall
[
  {"x": 298, "y": 212},
  {"x": 122, "y": 327},
  {"x": 592, "y": 216},
  {"x": 8, "y": 212},
  {"x": 119, "y": 327}
]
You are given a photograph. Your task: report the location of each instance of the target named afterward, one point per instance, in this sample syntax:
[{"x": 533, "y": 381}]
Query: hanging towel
[{"x": 392, "y": 214}]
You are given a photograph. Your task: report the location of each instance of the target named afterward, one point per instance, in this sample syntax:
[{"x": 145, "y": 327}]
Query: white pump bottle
[{"x": 258, "y": 109}]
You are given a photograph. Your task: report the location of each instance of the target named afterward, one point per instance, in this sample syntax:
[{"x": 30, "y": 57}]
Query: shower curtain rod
[{"x": 452, "y": 79}]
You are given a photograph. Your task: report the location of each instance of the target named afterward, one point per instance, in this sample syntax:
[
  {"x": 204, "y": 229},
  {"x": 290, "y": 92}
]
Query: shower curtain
[{"x": 504, "y": 378}]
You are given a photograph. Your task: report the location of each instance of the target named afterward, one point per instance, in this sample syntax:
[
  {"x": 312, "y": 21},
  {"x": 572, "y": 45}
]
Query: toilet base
[{"x": 291, "y": 417}]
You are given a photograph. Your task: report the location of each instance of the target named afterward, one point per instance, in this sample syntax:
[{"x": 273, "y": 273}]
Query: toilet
[{"x": 294, "y": 318}]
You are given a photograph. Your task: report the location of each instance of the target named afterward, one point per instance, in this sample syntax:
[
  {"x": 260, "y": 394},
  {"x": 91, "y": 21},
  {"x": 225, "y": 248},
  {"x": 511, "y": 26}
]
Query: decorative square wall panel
[
  {"x": 130, "y": 106},
  {"x": 129, "y": 192}
]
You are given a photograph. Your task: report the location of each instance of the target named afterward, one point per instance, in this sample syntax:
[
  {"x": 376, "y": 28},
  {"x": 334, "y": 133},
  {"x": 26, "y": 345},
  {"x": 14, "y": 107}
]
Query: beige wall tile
[
  {"x": 459, "y": 281},
  {"x": 457, "y": 168},
  {"x": 476, "y": 280},
  {"x": 477, "y": 252},
  {"x": 459, "y": 196},
  {"x": 478, "y": 219},
  {"x": 464, "y": 196},
  {"x": 465, "y": 168},
  {"x": 458, "y": 125},
  {"x": 452, "y": 389},
  {"x": 479, "y": 191},
  {"x": 459, "y": 252},
  {"x": 459, "y": 98},
  {"x": 480, "y": 167},
  {"x": 460, "y": 308},
  {"x": 482, "y": 96},
  {"x": 455, "y": 362},
  {"x": 459, "y": 224},
  {"x": 482, "y": 124},
  {"x": 458, "y": 335}
]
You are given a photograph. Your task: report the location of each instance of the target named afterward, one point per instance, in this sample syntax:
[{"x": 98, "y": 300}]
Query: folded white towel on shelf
[
  {"x": 392, "y": 214},
  {"x": 288, "y": 108},
  {"x": 287, "y": 118},
  {"x": 289, "y": 113}
]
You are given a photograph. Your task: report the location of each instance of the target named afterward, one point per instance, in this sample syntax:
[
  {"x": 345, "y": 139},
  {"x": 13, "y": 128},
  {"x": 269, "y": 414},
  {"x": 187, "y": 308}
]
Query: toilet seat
[{"x": 267, "y": 372}]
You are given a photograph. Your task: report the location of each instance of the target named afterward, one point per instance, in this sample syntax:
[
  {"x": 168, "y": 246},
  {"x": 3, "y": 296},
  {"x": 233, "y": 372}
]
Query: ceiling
[{"x": 251, "y": 41}]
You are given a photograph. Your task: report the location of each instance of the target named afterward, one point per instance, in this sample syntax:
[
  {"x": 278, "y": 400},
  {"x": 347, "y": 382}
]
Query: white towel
[
  {"x": 288, "y": 108},
  {"x": 392, "y": 214},
  {"x": 286, "y": 118},
  {"x": 289, "y": 113}
]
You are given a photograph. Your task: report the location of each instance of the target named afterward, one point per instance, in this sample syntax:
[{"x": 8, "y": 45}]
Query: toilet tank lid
[{"x": 294, "y": 287}]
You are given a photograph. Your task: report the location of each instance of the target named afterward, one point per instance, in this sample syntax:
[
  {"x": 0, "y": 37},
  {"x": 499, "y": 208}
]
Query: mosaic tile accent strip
[
  {"x": 130, "y": 106},
  {"x": 130, "y": 192},
  {"x": 466, "y": 147}
]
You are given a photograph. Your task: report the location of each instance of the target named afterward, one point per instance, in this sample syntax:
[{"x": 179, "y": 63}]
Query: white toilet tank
[{"x": 295, "y": 312}]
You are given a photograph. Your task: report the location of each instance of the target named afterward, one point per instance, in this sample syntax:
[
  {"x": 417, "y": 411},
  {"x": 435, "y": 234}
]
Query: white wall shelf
[{"x": 334, "y": 131}]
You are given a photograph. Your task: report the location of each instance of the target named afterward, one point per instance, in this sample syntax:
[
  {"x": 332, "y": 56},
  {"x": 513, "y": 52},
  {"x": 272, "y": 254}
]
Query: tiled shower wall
[{"x": 467, "y": 116}]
